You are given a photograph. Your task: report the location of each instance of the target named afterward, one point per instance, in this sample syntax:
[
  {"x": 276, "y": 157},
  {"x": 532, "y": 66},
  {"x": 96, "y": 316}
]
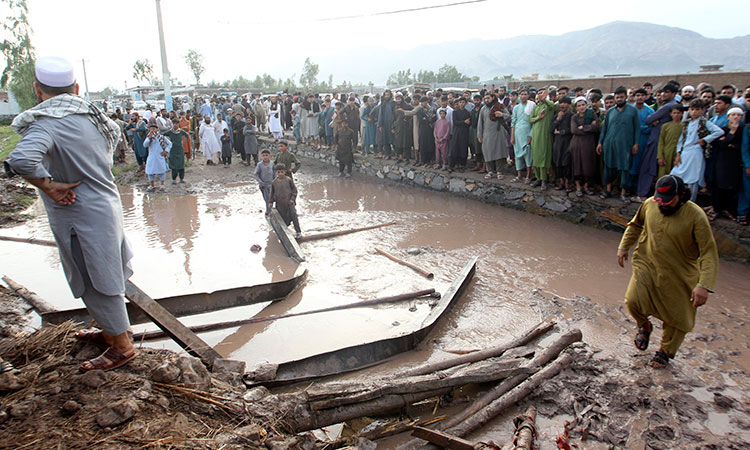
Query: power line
[
  {"x": 399, "y": 11},
  {"x": 382, "y": 13}
]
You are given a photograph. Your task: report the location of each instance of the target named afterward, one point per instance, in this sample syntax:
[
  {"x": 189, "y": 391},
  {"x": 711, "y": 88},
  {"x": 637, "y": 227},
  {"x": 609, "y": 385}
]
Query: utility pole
[
  {"x": 85, "y": 80},
  {"x": 164, "y": 67}
]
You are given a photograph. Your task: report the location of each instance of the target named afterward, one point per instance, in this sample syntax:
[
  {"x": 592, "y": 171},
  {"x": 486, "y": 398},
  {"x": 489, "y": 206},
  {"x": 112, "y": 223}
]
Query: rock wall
[{"x": 733, "y": 240}]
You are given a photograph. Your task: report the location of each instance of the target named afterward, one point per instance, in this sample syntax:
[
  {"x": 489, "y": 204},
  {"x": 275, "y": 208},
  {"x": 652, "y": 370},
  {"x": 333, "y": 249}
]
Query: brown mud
[{"x": 196, "y": 237}]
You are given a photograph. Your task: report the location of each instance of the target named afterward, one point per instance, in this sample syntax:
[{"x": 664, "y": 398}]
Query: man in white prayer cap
[
  {"x": 688, "y": 93},
  {"x": 66, "y": 152}
]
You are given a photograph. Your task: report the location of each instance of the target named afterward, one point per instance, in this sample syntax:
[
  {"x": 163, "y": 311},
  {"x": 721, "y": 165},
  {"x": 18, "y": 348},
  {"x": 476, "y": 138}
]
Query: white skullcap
[
  {"x": 54, "y": 71},
  {"x": 429, "y": 93},
  {"x": 580, "y": 99},
  {"x": 688, "y": 88},
  {"x": 735, "y": 110}
]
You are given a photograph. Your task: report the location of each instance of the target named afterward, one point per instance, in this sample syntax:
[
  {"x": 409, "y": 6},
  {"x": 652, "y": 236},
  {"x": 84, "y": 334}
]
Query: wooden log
[
  {"x": 171, "y": 326},
  {"x": 540, "y": 359},
  {"x": 523, "y": 438},
  {"x": 513, "y": 396},
  {"x": 39, "y": 304},
  {"x": 442, "y": 439},
  {"x": 529, "y": 336},
  {"x": 29, "y": 241},
  {"x": 383, "y": 405},
  {"x": 330, "y": 234},
  {"x": 335, "y": 395},
  {"x": 148, "y": 335},
  {"x": 419, "y": 270}
]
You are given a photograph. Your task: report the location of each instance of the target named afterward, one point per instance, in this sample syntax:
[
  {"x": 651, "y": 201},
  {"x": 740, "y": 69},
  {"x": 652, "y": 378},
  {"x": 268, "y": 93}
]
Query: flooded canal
[{"x": 530, "y": 268}]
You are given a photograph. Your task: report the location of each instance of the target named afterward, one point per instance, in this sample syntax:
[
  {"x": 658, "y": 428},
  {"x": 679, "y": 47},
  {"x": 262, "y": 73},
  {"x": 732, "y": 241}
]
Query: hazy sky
[{"x": 248, "y": 38}]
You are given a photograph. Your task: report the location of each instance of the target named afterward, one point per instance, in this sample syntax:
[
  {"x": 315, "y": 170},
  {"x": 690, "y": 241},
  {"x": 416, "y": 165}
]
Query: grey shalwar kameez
[
  {"x": 93, "y": 250},
  {"x": 494, "y": 137}
]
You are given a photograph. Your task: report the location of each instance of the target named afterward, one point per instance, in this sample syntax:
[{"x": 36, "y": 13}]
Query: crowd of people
[{"x": 582, "y": 141}]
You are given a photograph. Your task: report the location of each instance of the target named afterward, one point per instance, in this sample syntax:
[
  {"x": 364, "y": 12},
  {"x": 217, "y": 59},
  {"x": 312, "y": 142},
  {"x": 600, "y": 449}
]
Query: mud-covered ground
[
  {"x": 15, "y": 196},
  {"x": 609, "y": 395}
]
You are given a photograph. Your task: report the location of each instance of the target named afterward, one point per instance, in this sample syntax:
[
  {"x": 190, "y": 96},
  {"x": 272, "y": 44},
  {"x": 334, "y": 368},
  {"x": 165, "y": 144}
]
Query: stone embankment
[{"x": 733, "y": 240}]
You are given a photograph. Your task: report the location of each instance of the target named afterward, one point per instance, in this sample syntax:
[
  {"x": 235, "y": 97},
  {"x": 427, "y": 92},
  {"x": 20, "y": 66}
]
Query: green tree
[
  {"x": 426, "y": 76},
  {"x": 448, "y": 74},
  {"x": 194, "y": 61},
  {"x": 18, "y": 75},
  {"x": 401, "y": 77},
  {"x": 309, "y": 74},
  {"x": 143, "y": 70},
  {"x": 109, "y": 91}
]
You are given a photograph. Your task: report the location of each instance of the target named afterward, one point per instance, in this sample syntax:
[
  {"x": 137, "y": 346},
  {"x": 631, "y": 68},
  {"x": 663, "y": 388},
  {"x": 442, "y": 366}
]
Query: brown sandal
[
  {"x": 110, "y": 359},
  {"x": 92, "y": 336}
]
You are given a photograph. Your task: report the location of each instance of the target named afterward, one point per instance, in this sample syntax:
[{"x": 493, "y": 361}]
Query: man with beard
[
  {"x": 688, "y": 93},
  {"x": 617, "y": 141},
  {"x": 674, "y": 266},
  {"x": 502, "y": 98},
  {"x": 66, "y": 152},
  {"x": 492, "y": 134},
  {"x": 402, "y": 129},
  {"x": 385, "y": 113}
]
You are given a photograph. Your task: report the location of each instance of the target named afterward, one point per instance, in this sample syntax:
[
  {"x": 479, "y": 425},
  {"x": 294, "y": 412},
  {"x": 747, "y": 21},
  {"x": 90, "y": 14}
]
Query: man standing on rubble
[
  {"x": 66, "y": 152},
  {"x": 674, "y": 265}
]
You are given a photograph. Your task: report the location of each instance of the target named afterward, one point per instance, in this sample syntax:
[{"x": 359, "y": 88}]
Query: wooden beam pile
[{"x": 510, "y": 365}]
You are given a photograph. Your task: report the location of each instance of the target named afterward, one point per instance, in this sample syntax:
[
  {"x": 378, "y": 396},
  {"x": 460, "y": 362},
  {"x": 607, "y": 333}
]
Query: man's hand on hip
[{"x": 61, "y": 193}]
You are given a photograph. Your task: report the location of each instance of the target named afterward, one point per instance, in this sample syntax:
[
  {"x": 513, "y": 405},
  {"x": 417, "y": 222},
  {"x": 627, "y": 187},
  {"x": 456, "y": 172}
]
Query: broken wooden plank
[
  {"x": 287, "y": 239},
  {"x": 39, "y": 304},
  {"x": 483, "y": 354},
  {"x": 442, "y": 439},
  {"x": 34, "y": 241},
  {"x": 414, "y": 267},
  {"x": 171, "y": 326},
  {"x": 540, "y": 359},
  {"x": 330, "y": 234}
]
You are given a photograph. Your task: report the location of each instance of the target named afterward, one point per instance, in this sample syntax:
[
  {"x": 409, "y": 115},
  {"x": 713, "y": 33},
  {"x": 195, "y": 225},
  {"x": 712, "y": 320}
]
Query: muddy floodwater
[{"x": 199, "y": 240}]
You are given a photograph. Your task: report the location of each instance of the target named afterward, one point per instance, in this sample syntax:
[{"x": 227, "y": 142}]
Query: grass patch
[
  {"x": 119, "y": 169},
  {"x": 25, "y": 200},
  {"x": 8, "y": 141}
]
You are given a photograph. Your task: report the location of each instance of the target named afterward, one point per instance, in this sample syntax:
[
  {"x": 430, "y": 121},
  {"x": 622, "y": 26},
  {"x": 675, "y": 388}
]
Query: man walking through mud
[
  {"x": 66, "y": 151},
  {"x": 674, "y": 266}
]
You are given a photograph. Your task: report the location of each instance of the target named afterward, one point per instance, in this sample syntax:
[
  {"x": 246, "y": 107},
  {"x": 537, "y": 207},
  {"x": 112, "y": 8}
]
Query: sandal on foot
[
  {"x": 5, "y": 366},
  {"x": 711, "y": 213},
  {"x": 742, "y": 220},
  {"x": 110, "y": 359},
  {"x": 579, "y": 193},
  {"x": 92, "y": 336},
  {"x": 659, "y": 361},
  {"x": 604, "y": 195},
  {"x": 642, "y": 337}
]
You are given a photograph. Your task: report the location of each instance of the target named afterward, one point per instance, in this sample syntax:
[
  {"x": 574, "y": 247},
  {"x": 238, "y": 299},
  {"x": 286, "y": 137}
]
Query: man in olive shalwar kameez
[
  {"x": 177, "y": 151},
  {"x": 541, "y": 138},
  {"x": 674, "y": 265}
]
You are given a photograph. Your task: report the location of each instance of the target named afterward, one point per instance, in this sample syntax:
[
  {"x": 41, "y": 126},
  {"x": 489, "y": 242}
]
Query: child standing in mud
[
  {"x": 284, "y": 194},
  {"x": 264, "y": 174}
]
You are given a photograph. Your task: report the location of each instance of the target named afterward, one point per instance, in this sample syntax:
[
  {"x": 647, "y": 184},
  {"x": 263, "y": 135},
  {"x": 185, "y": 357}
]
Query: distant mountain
[{"x": 617, "y": 47}]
